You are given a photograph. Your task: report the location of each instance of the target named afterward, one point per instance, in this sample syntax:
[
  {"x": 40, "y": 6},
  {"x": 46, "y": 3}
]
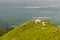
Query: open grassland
[{"x": 31, "y": 31}]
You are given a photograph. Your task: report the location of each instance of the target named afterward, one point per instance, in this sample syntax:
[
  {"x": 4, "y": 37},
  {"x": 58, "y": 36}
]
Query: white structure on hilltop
[
  {"x": 37, "y": 21},
  {"x": 42, "y": 21}
]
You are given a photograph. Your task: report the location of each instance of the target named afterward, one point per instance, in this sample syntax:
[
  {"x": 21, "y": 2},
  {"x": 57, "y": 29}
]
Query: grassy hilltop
[{"x": 31, "y": 31}]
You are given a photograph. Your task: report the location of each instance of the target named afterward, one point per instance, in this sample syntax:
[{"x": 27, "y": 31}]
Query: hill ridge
[{"x": 32, "y": 31}]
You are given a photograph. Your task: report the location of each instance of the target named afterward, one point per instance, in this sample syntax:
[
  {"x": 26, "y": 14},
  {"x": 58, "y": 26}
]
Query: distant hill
[{"x": 32, "y": 31}]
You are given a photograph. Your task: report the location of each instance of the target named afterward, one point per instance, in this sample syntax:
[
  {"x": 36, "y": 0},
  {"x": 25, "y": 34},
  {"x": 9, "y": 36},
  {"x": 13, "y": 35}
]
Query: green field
[{"x": 31, "y": 31}]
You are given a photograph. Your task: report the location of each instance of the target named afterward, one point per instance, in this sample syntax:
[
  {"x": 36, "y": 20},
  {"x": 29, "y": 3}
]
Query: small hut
[{"x": 38, "y": 21}]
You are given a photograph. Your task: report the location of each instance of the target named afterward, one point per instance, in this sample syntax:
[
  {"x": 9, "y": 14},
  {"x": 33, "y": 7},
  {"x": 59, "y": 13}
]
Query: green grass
[{"x": 32, "y": 31}]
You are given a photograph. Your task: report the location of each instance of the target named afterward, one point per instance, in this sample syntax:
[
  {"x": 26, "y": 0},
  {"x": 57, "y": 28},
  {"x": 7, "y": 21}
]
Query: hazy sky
[
  {"x": 25, "y": 1},
  {"x": 52, "y": 3},
  {"x": 29, "y": 0}
]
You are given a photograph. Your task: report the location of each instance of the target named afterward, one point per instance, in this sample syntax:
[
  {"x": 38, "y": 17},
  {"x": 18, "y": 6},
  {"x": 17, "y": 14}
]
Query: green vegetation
[{"x": 31, "y": 31}]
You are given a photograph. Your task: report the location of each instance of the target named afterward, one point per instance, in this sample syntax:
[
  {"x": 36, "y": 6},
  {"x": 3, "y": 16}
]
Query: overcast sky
[
  {"x": 29, "y": 0},
  {"x": 33, "y": 1},
  {"x": 52, "y": 3}
]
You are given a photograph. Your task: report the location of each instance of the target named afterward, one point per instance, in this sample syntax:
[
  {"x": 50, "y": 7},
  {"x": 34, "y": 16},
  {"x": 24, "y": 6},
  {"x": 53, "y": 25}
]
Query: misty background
[{"x": 39, "y": 3}]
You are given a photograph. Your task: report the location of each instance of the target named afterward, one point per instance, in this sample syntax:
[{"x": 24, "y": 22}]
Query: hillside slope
[{"x": 31, "y": 31}]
